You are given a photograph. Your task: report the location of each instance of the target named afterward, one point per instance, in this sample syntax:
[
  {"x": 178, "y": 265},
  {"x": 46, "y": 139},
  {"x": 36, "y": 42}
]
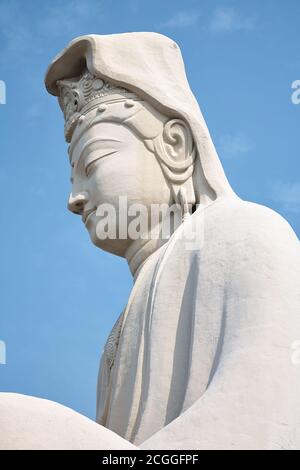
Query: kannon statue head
[{"x": 134, "y": 130}]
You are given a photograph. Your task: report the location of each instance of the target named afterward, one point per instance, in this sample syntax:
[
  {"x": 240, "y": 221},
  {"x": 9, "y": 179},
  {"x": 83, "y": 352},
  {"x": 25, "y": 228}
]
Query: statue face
[{"x": 108, "y": 161}]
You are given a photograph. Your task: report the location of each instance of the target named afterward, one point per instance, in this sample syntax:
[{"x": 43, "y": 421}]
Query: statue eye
[{"x": 90, "y": 165}]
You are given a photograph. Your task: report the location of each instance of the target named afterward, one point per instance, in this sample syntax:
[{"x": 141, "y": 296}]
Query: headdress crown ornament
[{"x": 81, "y": 94}]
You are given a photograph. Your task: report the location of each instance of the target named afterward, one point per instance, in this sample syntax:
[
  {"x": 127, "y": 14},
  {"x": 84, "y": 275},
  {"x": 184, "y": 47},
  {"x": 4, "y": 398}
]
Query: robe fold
[{"x": 205, "y": 353}]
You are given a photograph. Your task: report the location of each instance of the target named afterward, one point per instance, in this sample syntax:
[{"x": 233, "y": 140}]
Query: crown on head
[{"x": 81, "y": 94}]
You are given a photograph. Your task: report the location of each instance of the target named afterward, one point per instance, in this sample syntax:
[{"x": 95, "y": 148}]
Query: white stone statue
[{"x": 202, "y": 355}]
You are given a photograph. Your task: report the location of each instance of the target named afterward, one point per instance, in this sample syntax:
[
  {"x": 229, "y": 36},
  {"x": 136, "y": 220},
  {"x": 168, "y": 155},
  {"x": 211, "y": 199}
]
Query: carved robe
[{"x": 207, "y": 338}]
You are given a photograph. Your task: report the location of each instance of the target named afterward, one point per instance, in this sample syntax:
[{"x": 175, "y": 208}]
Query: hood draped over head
[{"x": 150, "y": 65}]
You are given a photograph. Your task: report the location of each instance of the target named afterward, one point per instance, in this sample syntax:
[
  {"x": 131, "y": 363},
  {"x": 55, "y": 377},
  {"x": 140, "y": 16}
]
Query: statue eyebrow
[{"x": 89, "y": 142}]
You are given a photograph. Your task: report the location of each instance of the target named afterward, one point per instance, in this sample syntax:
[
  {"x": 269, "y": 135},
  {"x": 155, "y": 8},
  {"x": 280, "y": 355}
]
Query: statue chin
[
  {"x": 115, "y": 247},
  {"x": 104, "y": 241}
]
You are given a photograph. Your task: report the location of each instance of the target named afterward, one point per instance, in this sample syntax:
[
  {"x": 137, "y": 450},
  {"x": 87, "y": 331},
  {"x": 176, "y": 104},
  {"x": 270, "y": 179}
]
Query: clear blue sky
[{"x": 59, "y": 295}]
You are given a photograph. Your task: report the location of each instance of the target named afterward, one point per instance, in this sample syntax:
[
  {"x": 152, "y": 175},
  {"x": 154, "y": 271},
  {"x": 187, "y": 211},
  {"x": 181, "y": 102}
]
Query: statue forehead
[{"x": 102, "y": 135}]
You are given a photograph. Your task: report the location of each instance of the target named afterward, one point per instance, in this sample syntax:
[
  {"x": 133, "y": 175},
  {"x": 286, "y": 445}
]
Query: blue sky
[{"x": 60, "y": 295}]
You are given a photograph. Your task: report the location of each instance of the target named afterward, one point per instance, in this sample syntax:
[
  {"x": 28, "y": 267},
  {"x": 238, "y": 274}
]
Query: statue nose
[{"x": 76, "y": 203}]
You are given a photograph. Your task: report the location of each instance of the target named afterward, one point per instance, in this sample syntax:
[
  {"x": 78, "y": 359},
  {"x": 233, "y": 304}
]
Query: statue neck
[{"x": 139, "y": 250}]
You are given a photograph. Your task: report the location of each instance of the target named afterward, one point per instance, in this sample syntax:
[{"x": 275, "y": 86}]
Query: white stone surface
[
  {"x": 29, "y": 423},
  {"x": 198, "y": 349},
  {"x": 235, "y": 349}
]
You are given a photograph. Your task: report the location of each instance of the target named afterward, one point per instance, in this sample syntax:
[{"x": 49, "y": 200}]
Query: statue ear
[
  {"x": 178, "y": 140},
  {"x": 176, "y": 153}
]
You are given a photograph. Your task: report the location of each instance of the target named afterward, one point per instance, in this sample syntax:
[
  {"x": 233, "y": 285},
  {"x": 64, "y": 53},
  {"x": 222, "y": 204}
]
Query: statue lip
[{"x": 86, "y": 214}]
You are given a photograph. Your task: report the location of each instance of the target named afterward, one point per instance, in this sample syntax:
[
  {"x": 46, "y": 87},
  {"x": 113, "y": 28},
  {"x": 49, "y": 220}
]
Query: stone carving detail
[
  {"x": 80, "y": 94},
  {"x": 112, "y": 342}
]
